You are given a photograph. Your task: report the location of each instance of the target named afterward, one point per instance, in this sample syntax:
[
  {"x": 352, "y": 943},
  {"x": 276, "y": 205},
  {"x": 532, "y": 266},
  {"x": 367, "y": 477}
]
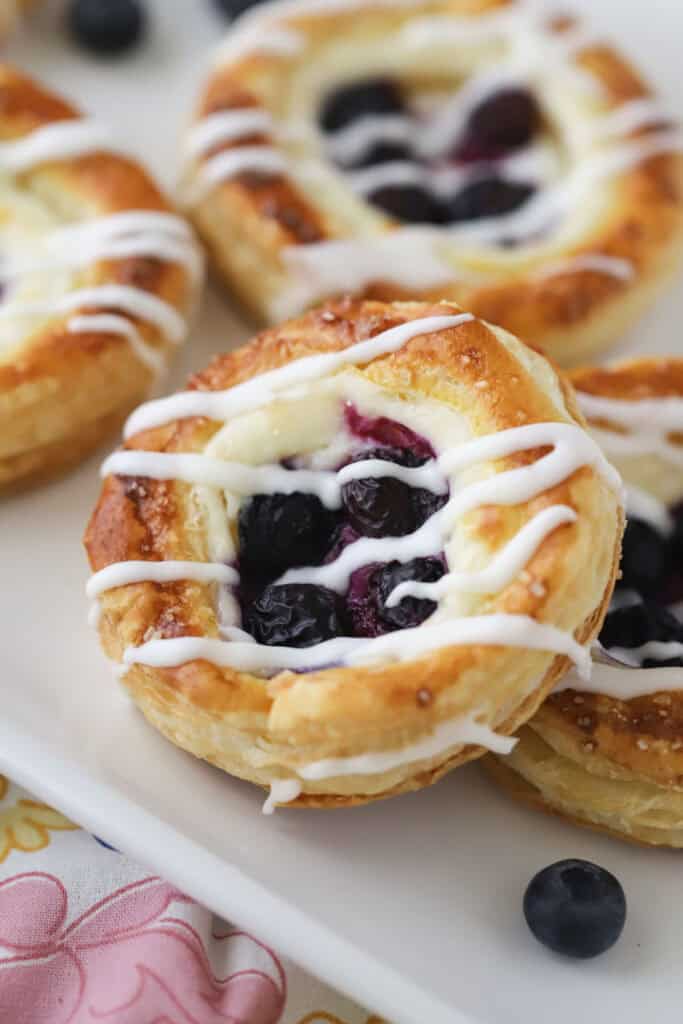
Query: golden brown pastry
[
  {"x": 469, "y": 150},
  {"x": 98, "y": 276},
  {"x": 417, "y": 548},
  {"x": 610, "y": 753}
]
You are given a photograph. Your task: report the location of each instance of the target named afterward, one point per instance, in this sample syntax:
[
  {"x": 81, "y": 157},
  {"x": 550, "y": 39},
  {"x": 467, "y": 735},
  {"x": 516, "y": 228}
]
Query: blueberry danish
[
  {"x": 470, "y": 150},
  {"x": 97, "y": 276},
  {"x": 350, "y": 556},
  {"x": 610, "y": 753}
]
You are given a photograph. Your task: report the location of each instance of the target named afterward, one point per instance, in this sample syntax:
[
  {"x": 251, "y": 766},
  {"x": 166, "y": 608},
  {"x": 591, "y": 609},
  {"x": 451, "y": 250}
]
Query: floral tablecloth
[{"x": 88, "y": 936}]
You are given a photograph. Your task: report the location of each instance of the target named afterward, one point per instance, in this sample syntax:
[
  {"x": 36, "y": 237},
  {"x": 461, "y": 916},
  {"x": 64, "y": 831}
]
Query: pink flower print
[{"x": 125, "y": 960}]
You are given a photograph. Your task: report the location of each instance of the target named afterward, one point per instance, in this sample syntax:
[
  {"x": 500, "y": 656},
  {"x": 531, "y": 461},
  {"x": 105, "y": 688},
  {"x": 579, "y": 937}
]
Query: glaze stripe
[
  {"x": 495, "y": 630},
  {"x": 259, "y": 391}
]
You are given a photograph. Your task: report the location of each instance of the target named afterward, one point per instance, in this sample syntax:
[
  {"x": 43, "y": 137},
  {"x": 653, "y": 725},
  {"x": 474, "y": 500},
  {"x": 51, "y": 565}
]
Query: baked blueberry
[
  {"x": 411, "y": 611},
  {"x": 637, "y": 624},
  {"x": 504, "y": 121},
  {"x": 487, "y": 197},
  {"x": 575, "y": 908},
  {"x": 294, "y": 615},
  {"x": 382, "y": 153},
  {"x": 385, "y": 506},
  {"x": 644, "y": 558},
  {"x": 370, "y": 96},
  {"x": 410, "y": 203},
  {"x": 106, "y": 26},
  {"x": 370, "y": 587},
  {"x": 280, "y": 531}
]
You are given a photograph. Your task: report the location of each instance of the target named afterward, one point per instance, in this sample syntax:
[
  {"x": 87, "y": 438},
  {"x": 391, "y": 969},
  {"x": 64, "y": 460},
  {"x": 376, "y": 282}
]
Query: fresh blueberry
[
  {"x": 487, "y": 197},
  {"x": 644, "y": 558},
  {"x": 410, "y": 203},
  {"x": 370, "y": 587},
  {"x": 575, "y": 908},
  {"x": 370, "y": 96},
  {"x": 505, "y": 121},
  {"x": 280, "y": 531},
  {"x": 294, "y": 615},
  {"x": 106, "y": 27},
  {"x": 385, "y": 506},
  {"x": 637, "y": 624},
  {"x": 231, "y": 8}
]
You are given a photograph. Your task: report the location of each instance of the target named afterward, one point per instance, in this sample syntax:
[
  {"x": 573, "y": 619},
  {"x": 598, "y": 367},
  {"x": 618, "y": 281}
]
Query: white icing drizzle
[
  {"x": 407, "y": 257},
  {"x": 572, "y": 448},
  {"x": 456, "y": 732},
  {"x": 259, "y": 391},
  {"x": 226, "y": 126},
  {"x": 357, "y": 139},
  {"x": 147, "y": 233},
  {"x": 629, "y": 117},
  {"x": 119, "y": 574},
  {"x": 245, "y": 480},
  {"x": 282, "y": 791},
  {"x": 133, "y": 301},
  {"x": 232, "y": 162},
  {"x": 230, "y": 476},
  {"x": 110, "y": 323},
  {"x": 658, "y": 650},
  {"x": 642, "y": 505},
  {"x": 503, "y": 567},
  {"x": 275, "y": 40},
  {"x": 599, "y": 263},
  {"x": 61, "y": 140},
  {"x": 495, "y": 630},
  {"x": 648, "y": 422},
  {"x": 624, "y": 683}
]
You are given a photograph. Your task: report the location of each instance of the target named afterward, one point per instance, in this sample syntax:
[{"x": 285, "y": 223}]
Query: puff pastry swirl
[
  {"x": 491, "y": 517},
  {"x": 471, "y": 150}
]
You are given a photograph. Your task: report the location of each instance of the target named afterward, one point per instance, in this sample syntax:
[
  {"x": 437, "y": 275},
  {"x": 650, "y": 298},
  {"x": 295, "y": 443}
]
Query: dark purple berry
[
  {"x": 294, "y": 615},
  {"x": 645, "y": 559},
  {"x": 280, "y": 531},
  {"x": 370, "y": 96},
  {"x": 488, "y": 197},
  {"x": 505, "y": 121},
  {"x": 637, "y": 624},
  {"x": 106, "y": 27},
  {"x": 410, "y": 203},
  {"x": 575, "y": 908},
  {"x": 382, "y": 153},
  {"x": 380, "y": 430},
  {"x": 385, "y": 506},
  {"x": 411, "y": 611},
  {"x": 370, "y": 587}
]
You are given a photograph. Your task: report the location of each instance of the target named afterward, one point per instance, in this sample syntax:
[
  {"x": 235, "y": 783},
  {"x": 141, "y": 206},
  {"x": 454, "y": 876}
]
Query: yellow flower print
[{"x": 25, "y": 823}]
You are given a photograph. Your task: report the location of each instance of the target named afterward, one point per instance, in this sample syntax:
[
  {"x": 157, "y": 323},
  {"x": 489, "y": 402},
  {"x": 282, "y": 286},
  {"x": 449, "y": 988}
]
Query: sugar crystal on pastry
[
  {"x": 313, "y": 673},
  {"x": 484, "y": 152}
]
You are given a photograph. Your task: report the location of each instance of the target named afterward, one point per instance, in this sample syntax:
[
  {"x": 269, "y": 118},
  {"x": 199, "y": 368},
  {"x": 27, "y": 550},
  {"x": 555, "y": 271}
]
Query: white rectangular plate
[{"x": 413, "y": 906}]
